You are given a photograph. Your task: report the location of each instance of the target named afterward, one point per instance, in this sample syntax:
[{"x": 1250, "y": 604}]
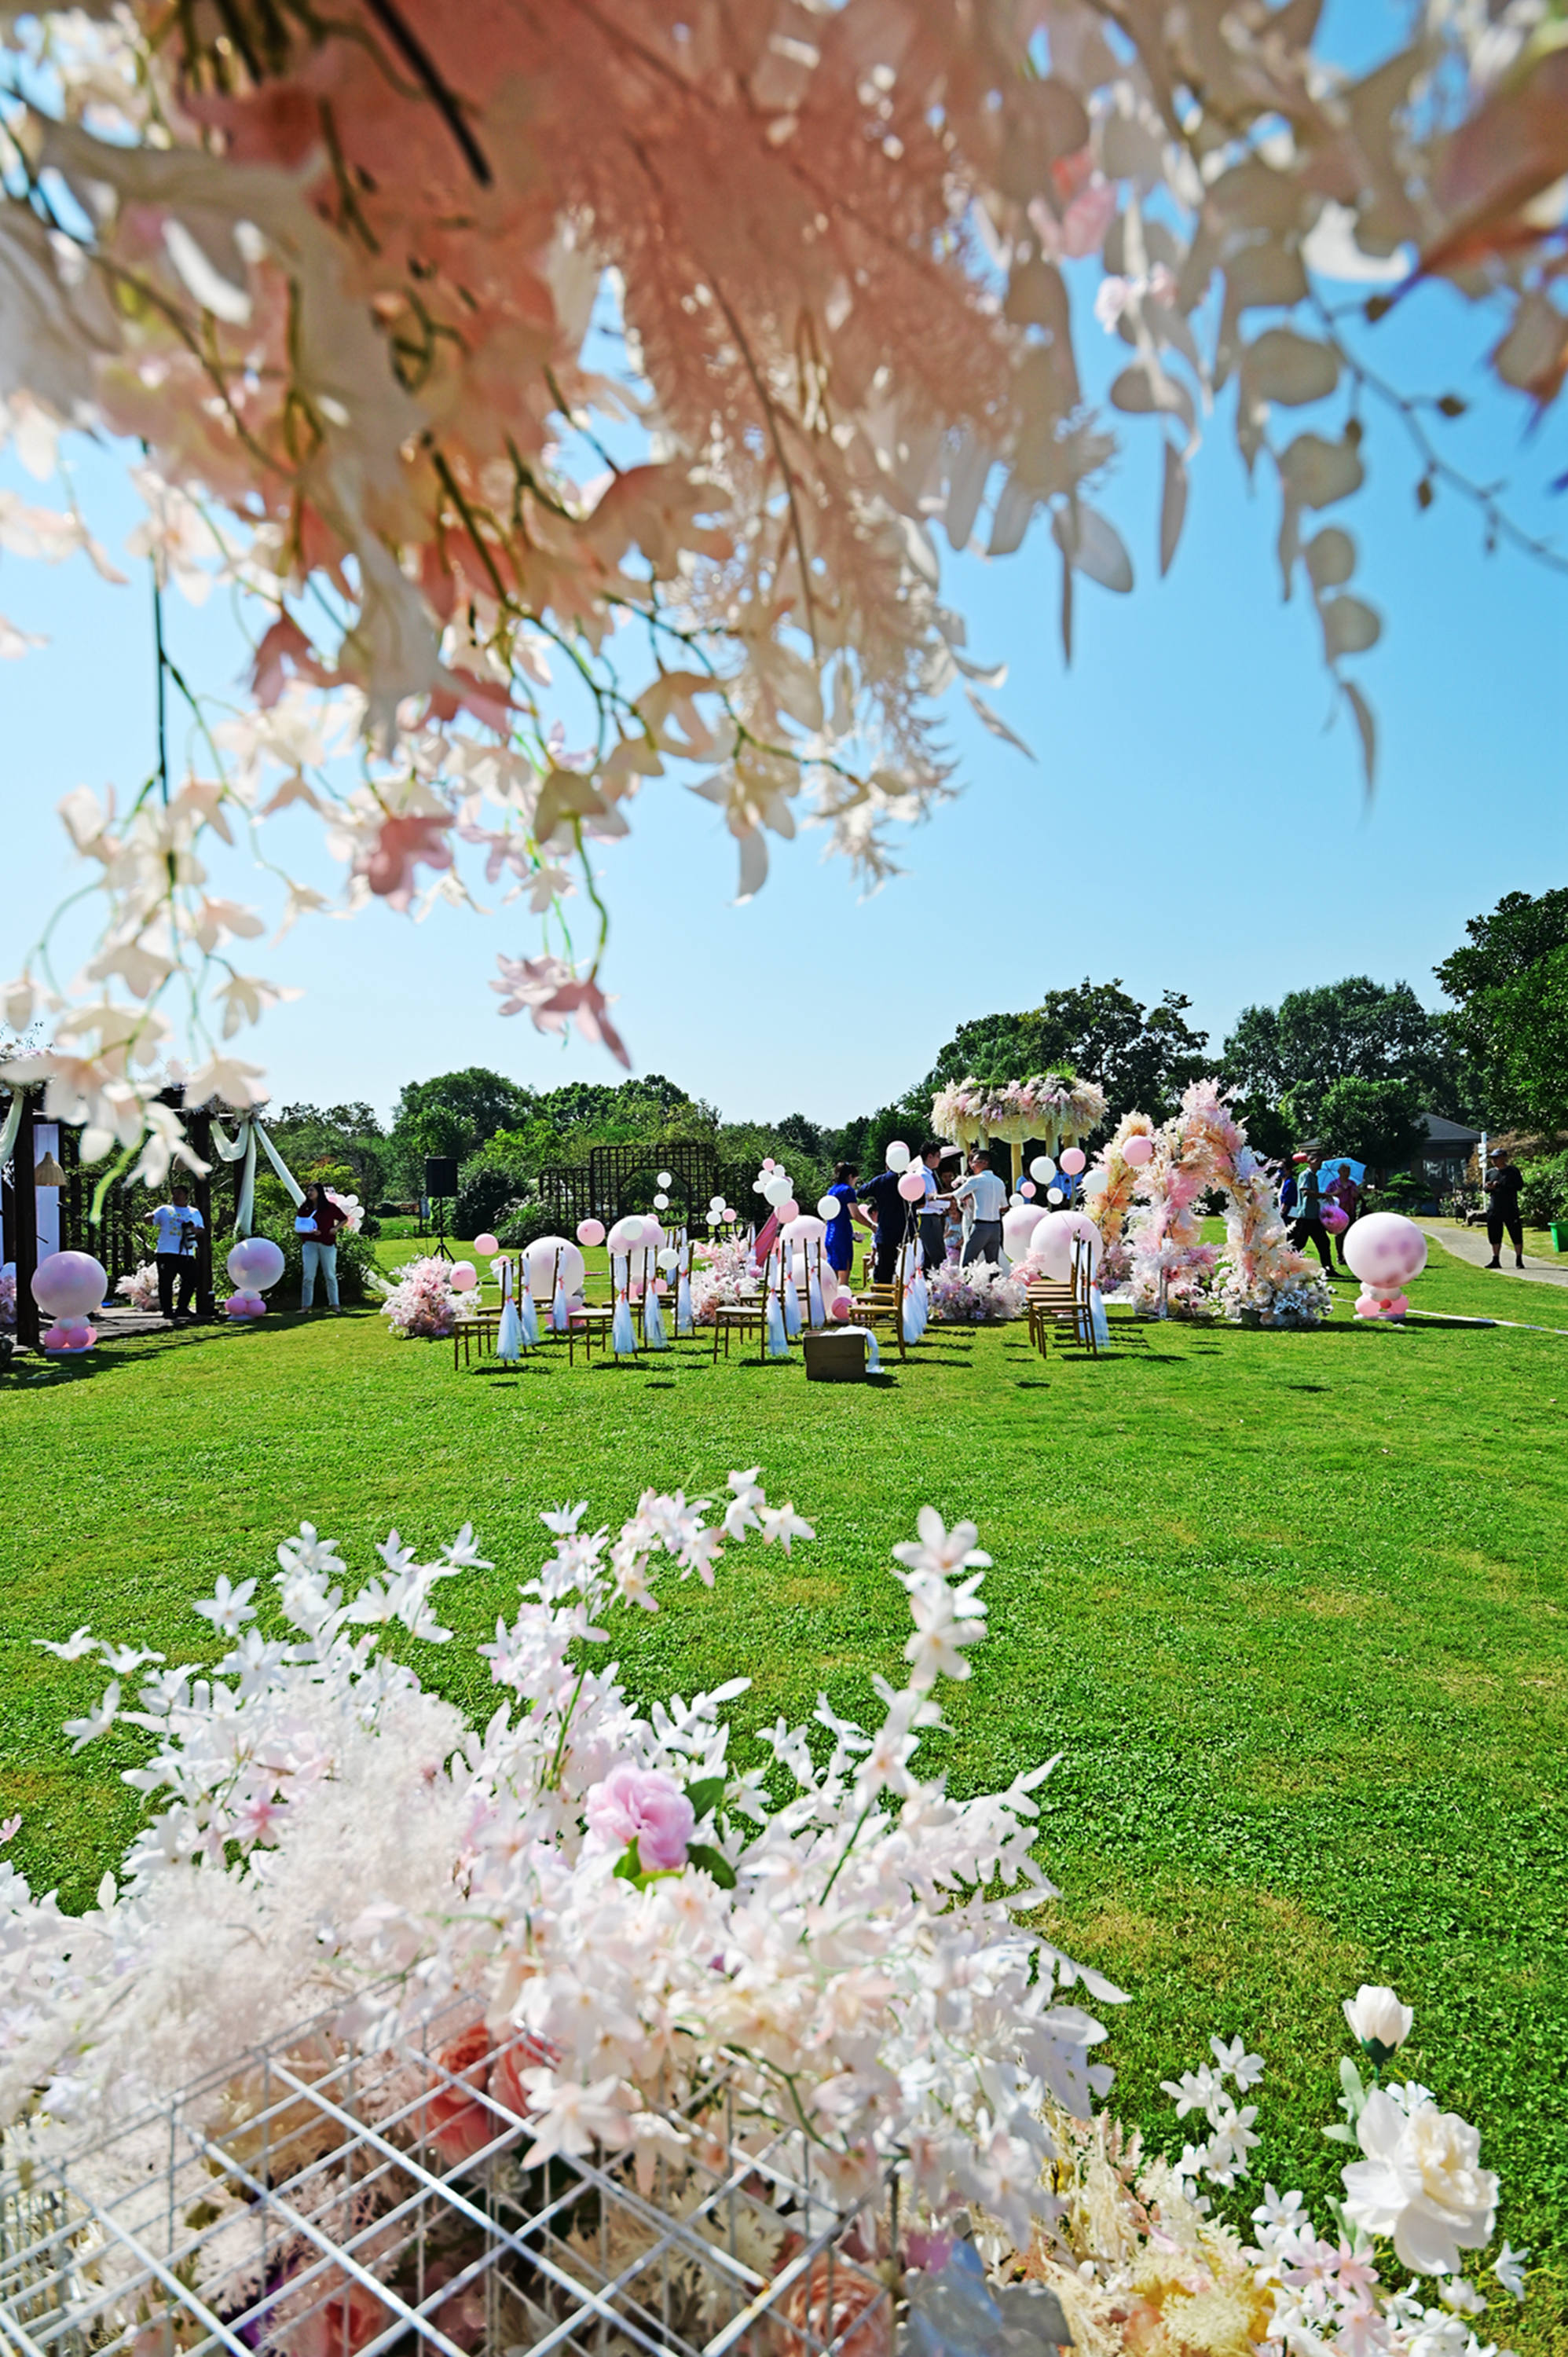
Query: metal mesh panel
[{"x": 304, "y": 2200}]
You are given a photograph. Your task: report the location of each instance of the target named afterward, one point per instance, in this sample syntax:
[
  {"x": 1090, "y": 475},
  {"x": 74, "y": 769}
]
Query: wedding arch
[
  {"x": 1049, "y": 1109},
  {"x": 1150, "y": 1215}
]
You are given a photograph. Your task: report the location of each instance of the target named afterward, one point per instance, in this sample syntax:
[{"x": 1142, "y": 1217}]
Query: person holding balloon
[
  {"x": 317, "y": 1222},
  {"x": 176, "y": 1224}
]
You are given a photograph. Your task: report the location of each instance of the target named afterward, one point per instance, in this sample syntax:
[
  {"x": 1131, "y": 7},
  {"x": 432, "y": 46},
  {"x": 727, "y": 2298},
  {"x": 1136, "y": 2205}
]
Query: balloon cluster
[
  {"x": 254, "y": 1266},
  {"x": 67, "y": 1285},
  {"x": 1385, "y": 1251}
]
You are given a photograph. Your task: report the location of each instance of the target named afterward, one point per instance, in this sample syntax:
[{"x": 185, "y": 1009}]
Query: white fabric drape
[
  {"x": 241, "y": 1146},
  {"x": 13, "y": 1123}
]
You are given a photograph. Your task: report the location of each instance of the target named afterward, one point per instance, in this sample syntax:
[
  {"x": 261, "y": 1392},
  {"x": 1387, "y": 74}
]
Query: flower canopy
[{"x": 1051, "y": 1108}]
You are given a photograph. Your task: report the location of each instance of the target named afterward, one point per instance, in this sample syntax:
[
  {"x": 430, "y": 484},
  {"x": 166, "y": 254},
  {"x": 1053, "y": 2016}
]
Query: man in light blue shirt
[{"x": 989, "y": 1195}]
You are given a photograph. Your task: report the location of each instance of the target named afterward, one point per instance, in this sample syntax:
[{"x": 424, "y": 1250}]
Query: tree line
[{"x": 1353, "y": 1064}]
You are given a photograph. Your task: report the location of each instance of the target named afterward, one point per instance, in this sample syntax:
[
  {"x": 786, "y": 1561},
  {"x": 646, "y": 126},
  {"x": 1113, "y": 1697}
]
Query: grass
[{"x": 1293, "y": 1608}]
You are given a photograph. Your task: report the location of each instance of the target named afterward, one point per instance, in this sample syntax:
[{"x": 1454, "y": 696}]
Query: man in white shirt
[
  {"x": 989, "y": 1195},
  {"x": 176, "y": 1224}
]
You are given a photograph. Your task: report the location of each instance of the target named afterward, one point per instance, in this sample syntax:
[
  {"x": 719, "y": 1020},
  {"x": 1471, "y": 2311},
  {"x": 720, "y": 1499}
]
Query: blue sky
[{"x": 1190, "y": 821}]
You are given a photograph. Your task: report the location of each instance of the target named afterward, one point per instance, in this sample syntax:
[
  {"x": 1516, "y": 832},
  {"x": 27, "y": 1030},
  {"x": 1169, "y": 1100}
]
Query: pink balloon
[
  {"x": 245, "y": 1304},
  {"x": 839, "y": 1305},
  {"x": 912, "y": 1186},
  {"x": 69, "y": 1283},
  {"x": 1027, "y": 1188},
  {"x": 487, "y": 1247},
  {"x": 1073, "y": 1161},
  {"x": 70, "y": 1334},
  {"x": 1335, "y": 1218},
  {"x": 768, "y": 1163},
  {"x": 1385, "y": 1249},
  {"x": 464, "y": 1277},
  {"x": 1137, "y": 1151},
  {"x": 590, "y": 1232},
  {"x": 789, "y": 1210}
]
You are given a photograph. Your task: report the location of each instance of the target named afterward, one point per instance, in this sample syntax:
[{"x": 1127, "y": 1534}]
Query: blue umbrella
[{"x": 1329, "y": 1170}]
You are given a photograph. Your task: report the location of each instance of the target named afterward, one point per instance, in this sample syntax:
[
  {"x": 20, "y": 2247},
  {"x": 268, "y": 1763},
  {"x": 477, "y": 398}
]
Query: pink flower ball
[
  {"x": 1138, "y": 1150},
  {"x": 1074, "y": 1160},
  {"x": 464, "y": 1277},
  {"x": 639, "y": 1804},
  {"x": 487, "y": 1247}
]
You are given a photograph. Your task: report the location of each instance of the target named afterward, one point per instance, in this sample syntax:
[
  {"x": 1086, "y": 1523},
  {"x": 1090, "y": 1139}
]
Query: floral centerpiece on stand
[
  {"x": 978, "y": 1295},
  {"x": 141, "y": 1290},
  {"x": 724, "y": 1276},
  {"x": 420, "y": 1303}
]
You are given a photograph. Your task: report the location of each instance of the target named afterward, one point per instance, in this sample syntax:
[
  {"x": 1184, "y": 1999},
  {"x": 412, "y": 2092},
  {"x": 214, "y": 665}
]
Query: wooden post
[
  {"x": 198, "y": 1127},
  {"x": 25, "y": 1202}
]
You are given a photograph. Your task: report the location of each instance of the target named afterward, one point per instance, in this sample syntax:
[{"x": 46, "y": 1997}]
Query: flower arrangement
[
  {"x": 332, "y": 1837},
  {"x": 726, "y": 1277},
  {"x": 142, "y": 1289},
  {"x": 8, "y": 1297},
  {"x": 978, "y": 1295},
  {"x": 1052, "y": 1106},
  {"x": 421, "y": 1303},
  {"x": 1262, "y": 1276}
]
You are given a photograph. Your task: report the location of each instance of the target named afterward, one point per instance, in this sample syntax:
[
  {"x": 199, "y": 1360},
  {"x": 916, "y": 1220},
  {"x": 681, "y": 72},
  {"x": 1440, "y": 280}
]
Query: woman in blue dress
[{"x": 839, "y": 1247}]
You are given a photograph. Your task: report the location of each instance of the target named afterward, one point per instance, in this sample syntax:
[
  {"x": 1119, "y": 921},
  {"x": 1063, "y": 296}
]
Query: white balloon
[
  {"x": 1016, "y": 1200},
  {"x": 539, "y": 1261},
  {"x": 1096, "y": 1183},
  {"x": 778, "y": 1190},
  {"x": 662, "y": 1202},
  {"x": 1018, "y": 1227},
  {"x": 897, "y": 1155},
  {"x": 1054, "y": 1195},
  {"x": 669, "y": 1260},
  {"x": 715, "y": 1203},
  {"x": 829, "y": 1207},
  {"x": 1042, "y": 1167},
  {"x": 628, "y": 1233},
  {"x": 666, "y": 1178},
  {"x": 1052, "y": 1245}
]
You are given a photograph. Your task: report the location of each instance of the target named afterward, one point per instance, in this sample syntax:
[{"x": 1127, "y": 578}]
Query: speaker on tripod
[{"x": 440, "y": 1187}]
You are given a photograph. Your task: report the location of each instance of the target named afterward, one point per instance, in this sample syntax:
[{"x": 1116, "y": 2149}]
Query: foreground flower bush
[
  {"x": 421, "y": 1303},
  {"x": 980, "y": 1295},
  {"x": 635, "y": 1919}
]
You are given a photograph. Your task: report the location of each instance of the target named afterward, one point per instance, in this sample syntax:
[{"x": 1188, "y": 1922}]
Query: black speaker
[{"x": 440, "y": 1174}]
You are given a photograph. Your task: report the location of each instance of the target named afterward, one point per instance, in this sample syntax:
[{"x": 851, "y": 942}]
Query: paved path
[{"x": 1470, "y": 1243}]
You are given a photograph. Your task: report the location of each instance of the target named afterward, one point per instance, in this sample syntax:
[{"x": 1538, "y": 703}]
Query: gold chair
[
  {"x": 483, "y": 1328},
  {"x": 742, "y": 1317},
  {"x": 883, "y": 1305}
]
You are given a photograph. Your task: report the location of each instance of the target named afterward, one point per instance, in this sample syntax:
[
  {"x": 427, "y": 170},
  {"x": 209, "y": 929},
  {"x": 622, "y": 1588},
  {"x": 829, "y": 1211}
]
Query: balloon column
[
  {"x": 67, "y": 1285},
  {"x": 1385, "y": 1250},
  {"x": 254, "y": 1266}
]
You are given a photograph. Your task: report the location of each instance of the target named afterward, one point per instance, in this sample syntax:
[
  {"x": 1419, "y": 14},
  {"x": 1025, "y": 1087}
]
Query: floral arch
[{"x": 1150, "y": 1216}]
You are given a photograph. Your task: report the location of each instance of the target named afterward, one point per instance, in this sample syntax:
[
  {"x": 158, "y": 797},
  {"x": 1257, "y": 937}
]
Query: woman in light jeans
[{"x": 316, "y": 1223}]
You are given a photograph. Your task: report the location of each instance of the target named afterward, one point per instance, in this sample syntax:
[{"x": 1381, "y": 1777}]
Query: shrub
[
  {"x": 523, "y": 1221},
  {"x": 1545, "y": 1195}
]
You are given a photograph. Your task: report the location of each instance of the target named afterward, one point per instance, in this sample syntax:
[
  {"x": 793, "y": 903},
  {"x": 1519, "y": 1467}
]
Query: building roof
[{"x": 1449, "y": 1133}]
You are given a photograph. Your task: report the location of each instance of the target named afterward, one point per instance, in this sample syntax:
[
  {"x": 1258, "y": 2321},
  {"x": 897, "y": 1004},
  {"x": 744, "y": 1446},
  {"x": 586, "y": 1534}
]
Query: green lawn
[{"x": 1294, "y": 1607}]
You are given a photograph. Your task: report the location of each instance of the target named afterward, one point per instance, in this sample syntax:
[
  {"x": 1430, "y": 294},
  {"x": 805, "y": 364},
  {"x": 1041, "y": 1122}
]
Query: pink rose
[{"x": 638, "y": 1804}]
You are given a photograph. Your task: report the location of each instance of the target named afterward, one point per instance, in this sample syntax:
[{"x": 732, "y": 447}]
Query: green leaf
[
  {"x": 629, "y": 1868},
  {"x": 712, "y": 1861},
  {"x": 706, "y": 1794},
  {"x": 1338, "y": 2133}
]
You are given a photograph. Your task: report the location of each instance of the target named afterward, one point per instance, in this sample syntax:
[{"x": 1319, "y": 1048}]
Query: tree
[
  {"x": 1142, "y": 1057},
  {"x": 349, "y": 1135},
  {"x": 334, "y": 270},
  {"x": 1511, "y": 1028},
  {"x": 451, "y": 1114},
  {"x": 1287, "y": 1057},
  {"x": 1375, "y": 1122}
]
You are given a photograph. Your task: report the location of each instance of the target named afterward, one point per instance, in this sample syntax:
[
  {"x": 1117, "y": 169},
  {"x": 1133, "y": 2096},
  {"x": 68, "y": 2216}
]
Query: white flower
[
  {"x": 1378, "y": 2020},
  {"x": 1510, "y": 2270},
  {"x": 783, "y": 1524},
  {"x": 1420, "y": 2182},
  {"x": 570, "y": 2117},
  {"x": 1244, "y": 2068},
  {"x": 73, "y": 1648},
  {"x": 940, "y": 1550},
  {"x": 1462, "y": 2297},
  {"x": 98, "y": 1722},
  {"x": 228, "y": 1608}
]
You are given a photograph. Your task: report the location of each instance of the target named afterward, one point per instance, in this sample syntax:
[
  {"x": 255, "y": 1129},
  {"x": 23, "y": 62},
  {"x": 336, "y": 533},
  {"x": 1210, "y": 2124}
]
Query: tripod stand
[{"x": 438, "y": 1212}]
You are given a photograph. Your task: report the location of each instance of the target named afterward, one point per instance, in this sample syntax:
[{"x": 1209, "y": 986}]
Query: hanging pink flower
[{"x": 401, "y": 845}]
